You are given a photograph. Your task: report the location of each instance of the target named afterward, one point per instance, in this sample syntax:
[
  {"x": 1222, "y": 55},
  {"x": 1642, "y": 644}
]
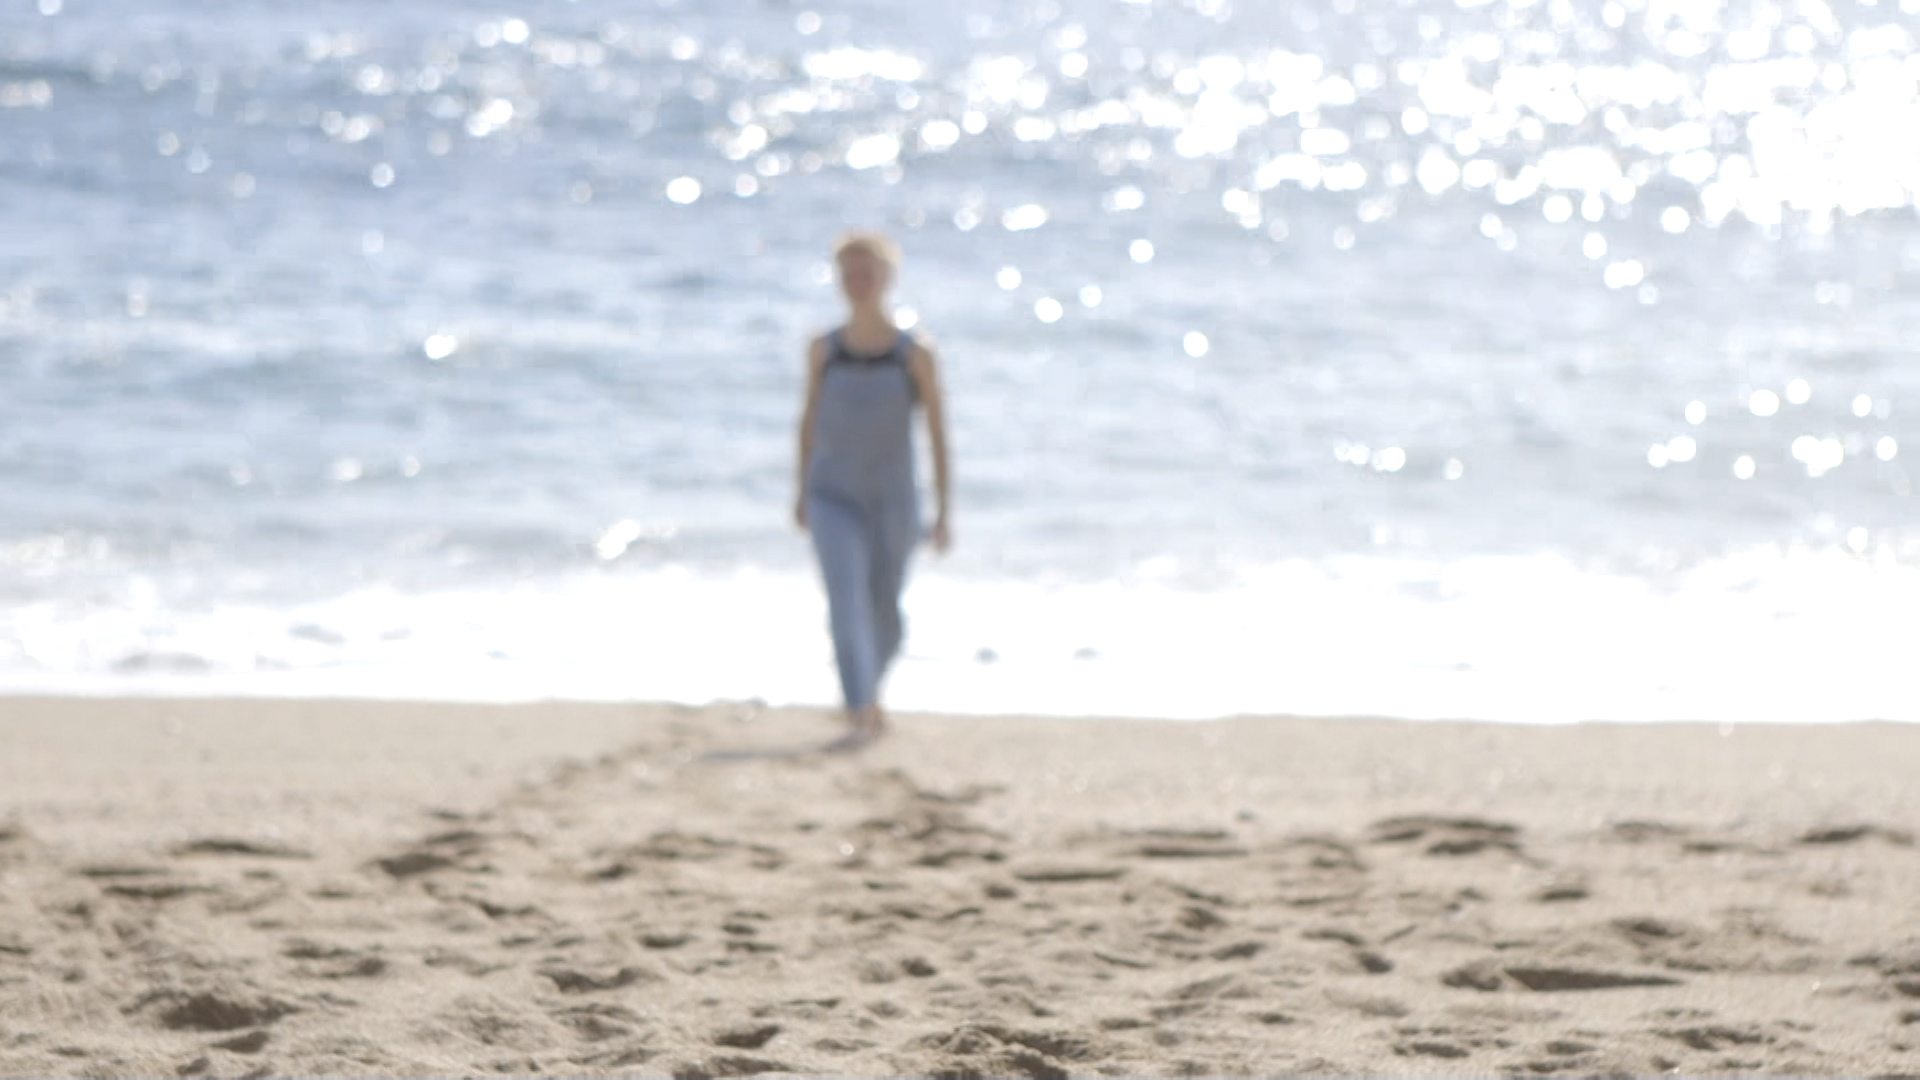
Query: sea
[{"x": 1517, "y": 360}]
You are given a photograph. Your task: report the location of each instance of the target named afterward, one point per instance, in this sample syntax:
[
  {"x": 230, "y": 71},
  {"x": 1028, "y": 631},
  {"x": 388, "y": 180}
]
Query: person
[{"x": 857, "y": 495}]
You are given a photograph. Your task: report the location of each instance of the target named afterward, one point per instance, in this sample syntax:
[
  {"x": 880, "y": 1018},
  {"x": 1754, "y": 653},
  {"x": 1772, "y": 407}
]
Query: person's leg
[
  {"x": 840, "y": 541},
  {"x": 895, "y": 533}
]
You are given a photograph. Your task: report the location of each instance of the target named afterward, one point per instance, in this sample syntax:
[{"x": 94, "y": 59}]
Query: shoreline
[
  {"x": 374, "y": 694},
  {"x": 222, "y": 887}
]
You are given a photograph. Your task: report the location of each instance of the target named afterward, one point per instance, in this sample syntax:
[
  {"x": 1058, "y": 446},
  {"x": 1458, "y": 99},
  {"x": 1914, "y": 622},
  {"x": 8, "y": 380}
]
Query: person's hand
[
  {"x": 800, "y": 512},
  {"x": 941, "y": 535}
]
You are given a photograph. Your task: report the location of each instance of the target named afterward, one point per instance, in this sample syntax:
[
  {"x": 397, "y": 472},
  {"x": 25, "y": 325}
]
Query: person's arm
[
  {"x": 816, "y": 364},
  {"x": 926, "y": 379}
]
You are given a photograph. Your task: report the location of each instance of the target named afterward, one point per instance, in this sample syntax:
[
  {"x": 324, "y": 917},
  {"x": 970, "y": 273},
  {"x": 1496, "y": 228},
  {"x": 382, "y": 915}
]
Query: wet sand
[{"x": 236, "y": 888}]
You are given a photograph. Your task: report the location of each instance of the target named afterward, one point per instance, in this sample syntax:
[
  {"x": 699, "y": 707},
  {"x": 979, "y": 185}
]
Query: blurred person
[{"x": 857, "y": 494}]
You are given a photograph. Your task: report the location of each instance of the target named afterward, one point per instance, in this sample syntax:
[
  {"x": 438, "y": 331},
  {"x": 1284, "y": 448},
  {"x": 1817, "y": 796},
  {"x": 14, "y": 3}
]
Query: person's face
[{"x": 863, "y": 276}]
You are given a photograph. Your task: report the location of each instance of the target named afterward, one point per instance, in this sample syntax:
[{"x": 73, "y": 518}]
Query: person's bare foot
[
  {"x": 848, "y": 741},
  {"x": 868, "y": 726}
]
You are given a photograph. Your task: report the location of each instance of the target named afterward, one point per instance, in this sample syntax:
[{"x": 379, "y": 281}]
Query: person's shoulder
[{"x": 921, "y": 347}]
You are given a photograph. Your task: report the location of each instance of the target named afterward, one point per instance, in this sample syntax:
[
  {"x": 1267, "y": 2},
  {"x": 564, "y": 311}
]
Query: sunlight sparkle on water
[
  {"x": 1389, "y": 459},
  {"x": 872, "y": 151},
  {"x": 939, "y": 134},
  {"x": 1819, "y": 455},
  {"x": 1624, "y": 274},
  {"x": 1023, "y": 218}
]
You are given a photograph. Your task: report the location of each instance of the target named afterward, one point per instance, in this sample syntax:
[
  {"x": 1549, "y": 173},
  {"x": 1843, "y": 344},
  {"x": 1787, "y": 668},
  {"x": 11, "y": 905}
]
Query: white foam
[{"x": 1763, "y": 635}]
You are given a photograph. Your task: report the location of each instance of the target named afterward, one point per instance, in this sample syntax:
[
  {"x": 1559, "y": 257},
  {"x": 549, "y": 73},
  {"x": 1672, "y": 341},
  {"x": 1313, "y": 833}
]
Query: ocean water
[{"x": 1532, "y": 360}]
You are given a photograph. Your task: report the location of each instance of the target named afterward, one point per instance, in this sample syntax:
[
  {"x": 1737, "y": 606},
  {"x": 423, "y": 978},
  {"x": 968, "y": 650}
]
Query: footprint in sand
[
  {"x": 726, "y": 1065},
  {"x": 441, "y": 957},
  {"x": 1435, "y": 1048},
  {"x": 1368, "y": 960},
  {"x": 747, "y": 1037},
  {"x": 258, "y": 849},
  {"x": 155, "y": 890},
  {"x": 598, "y": 1021},
  {"x": 1848, "y": 834},
  {"x": 1444, "y": 1042},
  {"x": 994, "y": 1050},
  {"x": 1369, "y": 1004},
  {"x": 1180, "y": 844},
  {"x": 925, "y": 828},
  {"x": 1066, "y": 874},
  {"x": 333, "y": 961},
  {"x": 1311, "y": 871},
  {"x": 1743, "y": 941},
  {"x": 1221, "y": 988},
  {"x": 1715, "y": 1037},
  {"x": 1563, "y": 891},
  {"x": 1199, "y": 919},
  {"x": 250, "y": 1043},
  {"x": 1547, "y": 979},
  {"x": 1446, "y": 836},
  {"x": 1900, "y": 964},
  {"x": 573, "y": 980},
  {"x": 1690, "y": 842},
  {"x": 217, "y": 1009},
  {"x": 623, "y": 1058},
  {"x": 670, "y": 846},
  {"x": 450, "y": 849},
  {"x": 140, "y": 882},
  {"x": 1489, "y": 976}
]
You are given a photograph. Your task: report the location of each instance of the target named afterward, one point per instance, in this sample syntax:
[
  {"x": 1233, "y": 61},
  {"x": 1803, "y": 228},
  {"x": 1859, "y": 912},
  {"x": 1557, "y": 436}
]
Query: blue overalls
[{"x": 863, "y": 508}]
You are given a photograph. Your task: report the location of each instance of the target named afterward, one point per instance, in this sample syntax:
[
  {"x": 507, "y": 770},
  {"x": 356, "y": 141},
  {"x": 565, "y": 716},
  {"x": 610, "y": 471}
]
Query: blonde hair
[{"x": 875, "y": 244}]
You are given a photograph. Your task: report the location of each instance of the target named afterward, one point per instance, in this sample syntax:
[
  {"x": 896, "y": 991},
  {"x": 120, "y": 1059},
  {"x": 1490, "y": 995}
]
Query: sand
[{"x": 271, "y": 888}]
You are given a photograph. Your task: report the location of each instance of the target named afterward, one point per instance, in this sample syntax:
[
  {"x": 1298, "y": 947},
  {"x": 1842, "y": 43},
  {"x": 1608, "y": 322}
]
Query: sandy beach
[{"x": 235, "y": 888}]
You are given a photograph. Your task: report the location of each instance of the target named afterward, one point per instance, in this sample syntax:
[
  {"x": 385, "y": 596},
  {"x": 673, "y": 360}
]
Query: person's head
[{"x": 867, "y": 262}]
